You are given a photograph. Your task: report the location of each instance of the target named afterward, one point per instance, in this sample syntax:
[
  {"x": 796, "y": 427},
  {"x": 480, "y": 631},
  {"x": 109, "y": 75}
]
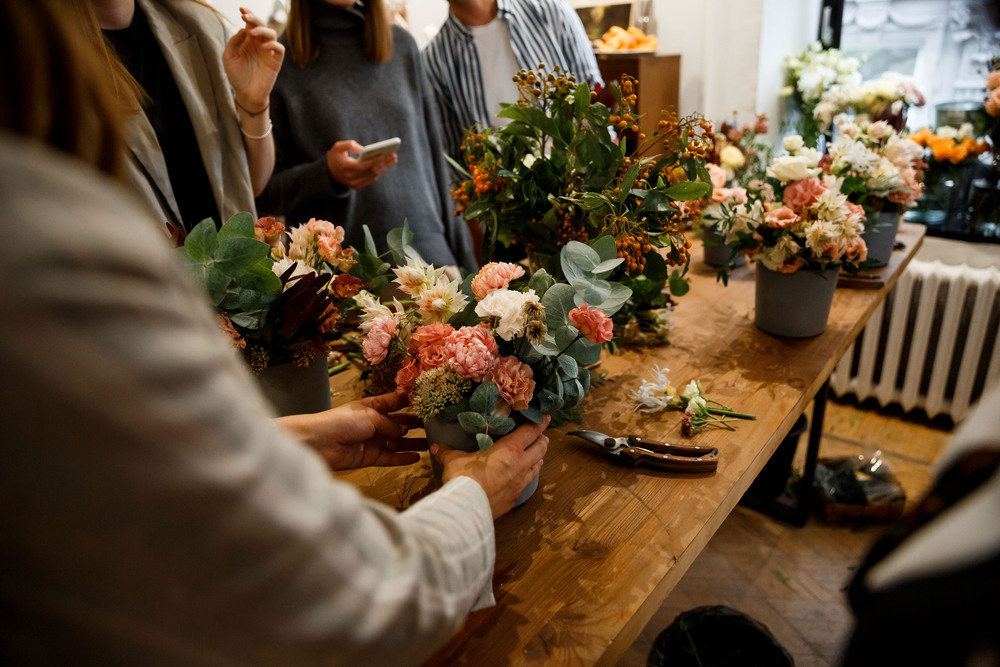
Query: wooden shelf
[{"x": 659, "y": 82}]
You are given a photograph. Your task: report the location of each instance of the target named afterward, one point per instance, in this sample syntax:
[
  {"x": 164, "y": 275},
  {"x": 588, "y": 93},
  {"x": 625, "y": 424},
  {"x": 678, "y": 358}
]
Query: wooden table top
[{"x": 583, "y": 565}]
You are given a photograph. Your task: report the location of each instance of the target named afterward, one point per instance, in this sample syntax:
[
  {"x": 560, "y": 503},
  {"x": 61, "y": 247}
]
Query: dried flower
[{"x": 436, "y": 389}]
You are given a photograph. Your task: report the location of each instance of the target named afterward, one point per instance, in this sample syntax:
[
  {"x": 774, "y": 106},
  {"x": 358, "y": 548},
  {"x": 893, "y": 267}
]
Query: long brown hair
[
  {"x": 54, "y": 87},
  {"x": 303, "y": 42}
]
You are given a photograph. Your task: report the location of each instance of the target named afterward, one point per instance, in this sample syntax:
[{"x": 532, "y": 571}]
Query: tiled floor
[{"x": 792, "y": 579}]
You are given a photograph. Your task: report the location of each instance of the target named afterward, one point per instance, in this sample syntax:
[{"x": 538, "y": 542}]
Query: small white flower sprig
[{"x": 699, "y": 411}]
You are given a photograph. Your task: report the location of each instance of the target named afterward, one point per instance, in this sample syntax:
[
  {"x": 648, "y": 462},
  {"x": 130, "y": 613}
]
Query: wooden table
[{"x": 583, "y": 565}]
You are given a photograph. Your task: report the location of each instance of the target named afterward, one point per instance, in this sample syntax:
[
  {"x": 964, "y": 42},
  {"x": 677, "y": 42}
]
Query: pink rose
[
  {"x": 717, "y": 175},
  {"x": 471, "y": 352},
  {"x": 328, "y": 247},
  {"x": 514, "y": 380},
  {"x": 324, "y": 228},
  {"x": 379, "y": 337},
  {"x": 494, "y": 276},
  {"x": 268, "y": 230},
  {"x": 427, "y": 343},
  {"x": 800, "y": 194},
  {"x": 407, "y": 376},
  {"x": 739, "y": 195},
  {"x": 780, "y": 217},
  {"x": 593, "y": 324}
]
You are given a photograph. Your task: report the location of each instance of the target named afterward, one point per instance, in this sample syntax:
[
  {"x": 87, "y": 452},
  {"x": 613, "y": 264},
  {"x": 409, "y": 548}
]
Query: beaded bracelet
[{"x": 253, "y": 136}]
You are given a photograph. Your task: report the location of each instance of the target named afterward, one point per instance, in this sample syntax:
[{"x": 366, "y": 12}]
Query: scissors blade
[{"x": 605, "y": 442}]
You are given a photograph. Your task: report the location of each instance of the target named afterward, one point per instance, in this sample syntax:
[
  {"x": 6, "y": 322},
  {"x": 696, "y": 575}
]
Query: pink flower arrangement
[
  {"x": 494, "y": 347},
  {"x": 800, "y": 219}
]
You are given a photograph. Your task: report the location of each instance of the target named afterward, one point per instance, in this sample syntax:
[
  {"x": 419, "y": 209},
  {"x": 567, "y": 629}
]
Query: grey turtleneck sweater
[{"x": 343, "y": 95}]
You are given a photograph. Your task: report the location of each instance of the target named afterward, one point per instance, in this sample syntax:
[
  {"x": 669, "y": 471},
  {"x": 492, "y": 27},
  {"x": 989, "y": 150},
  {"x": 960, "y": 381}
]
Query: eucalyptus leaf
[
  {"x": 605, "y": 247},
  {"x": 399, "y": 241},
  {"x": 568, "y": 365},
  {"x": 484, "y": 398},
  {"x": 236, "y": 256},
  {"x": 472, "y": 422},
  {"x": 499, "y": 426},
  {"x": 591, "y": 291},
  {"x": 533, "y": 415},
  {"x": 201, "y": 241},
  {"x": 216, "y": 284},
  {"x": 240, "y": 225},
  {"x": 483, "y": 441}
]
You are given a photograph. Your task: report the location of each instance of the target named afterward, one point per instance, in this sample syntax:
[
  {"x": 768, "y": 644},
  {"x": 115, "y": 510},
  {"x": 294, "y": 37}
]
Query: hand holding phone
[{"x": 386, "y": 147}]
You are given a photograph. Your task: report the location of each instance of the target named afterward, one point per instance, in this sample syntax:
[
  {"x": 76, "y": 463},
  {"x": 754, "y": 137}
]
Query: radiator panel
[{"x": 932, "y": 344}]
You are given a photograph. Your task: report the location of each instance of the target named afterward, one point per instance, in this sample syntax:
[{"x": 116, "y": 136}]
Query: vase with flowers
[
  {"x": 881, "y": 171},
  {"x": 951, "y": 155},
  {"x": 282, "y": 297},
  {"x": 984, "y": 204},
  {"x": 801, "y": 230},
  {"x": 572, "y": 165},
  {"x": 808, "y": 75},
  {"x": 478, "y": 356}
]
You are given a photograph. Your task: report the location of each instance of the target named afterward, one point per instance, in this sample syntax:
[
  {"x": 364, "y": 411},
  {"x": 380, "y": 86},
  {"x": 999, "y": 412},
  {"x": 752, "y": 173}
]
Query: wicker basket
[{"x": 837, "y": 513}]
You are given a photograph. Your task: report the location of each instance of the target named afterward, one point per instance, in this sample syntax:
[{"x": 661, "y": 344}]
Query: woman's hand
[
  {"x": 360, "y": 433},
  {"x": 351, "y": 171},
  {"x": 503, "y": 470},
  {"x": 252, "y": 59}
]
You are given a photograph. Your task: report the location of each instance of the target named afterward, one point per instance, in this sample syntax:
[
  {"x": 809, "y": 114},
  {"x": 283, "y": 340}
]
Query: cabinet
[{"x": 659, "y": 82}]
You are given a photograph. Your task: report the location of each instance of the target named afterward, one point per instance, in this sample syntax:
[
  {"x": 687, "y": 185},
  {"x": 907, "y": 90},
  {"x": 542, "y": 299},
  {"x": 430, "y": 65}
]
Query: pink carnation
[
  {"x": 427, "y": 343},
  {"x": 800, "y": 194},
  {"x": 471, "y": 352},
  {"x": 514, "y": 380},
  {"x": 379, "y": 337},
  {"x": 407, "y": 376},
  {"x": 494, "y": 276},
  {"x": 780, "y": 217},
  {"x": 593, "y": 324}
]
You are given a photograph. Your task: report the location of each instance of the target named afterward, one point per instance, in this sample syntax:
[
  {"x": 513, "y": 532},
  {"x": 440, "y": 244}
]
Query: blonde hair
[
  {"x": 303, "y": 42},
  {"x": 55, "y": 88}
]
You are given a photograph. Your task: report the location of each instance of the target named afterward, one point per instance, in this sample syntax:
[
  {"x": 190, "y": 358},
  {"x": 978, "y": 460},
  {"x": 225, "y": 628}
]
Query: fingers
[
  {"x": 526, "y": 435},
  {"x": 386, "y": 403}
]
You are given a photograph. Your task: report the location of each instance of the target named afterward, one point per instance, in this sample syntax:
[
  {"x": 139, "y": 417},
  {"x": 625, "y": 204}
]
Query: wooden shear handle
[{"x": 678, "y": 450}]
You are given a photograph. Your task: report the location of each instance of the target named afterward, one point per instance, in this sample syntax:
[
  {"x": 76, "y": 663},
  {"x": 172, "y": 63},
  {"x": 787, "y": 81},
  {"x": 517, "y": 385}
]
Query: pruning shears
[{"x": 636, "y": 450}]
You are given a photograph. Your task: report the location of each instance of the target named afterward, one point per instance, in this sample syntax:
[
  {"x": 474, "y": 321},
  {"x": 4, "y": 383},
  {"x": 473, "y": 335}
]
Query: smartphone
[{"x": 386, "y": 147}]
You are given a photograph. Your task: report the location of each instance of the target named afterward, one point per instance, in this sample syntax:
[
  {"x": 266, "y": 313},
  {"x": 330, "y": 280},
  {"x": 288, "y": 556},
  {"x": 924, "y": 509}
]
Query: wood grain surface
[{"x": 582, "y": 566}]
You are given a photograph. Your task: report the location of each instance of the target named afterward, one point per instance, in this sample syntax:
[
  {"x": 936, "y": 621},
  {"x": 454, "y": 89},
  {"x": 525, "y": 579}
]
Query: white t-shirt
[{"x": 496, "y": 59}]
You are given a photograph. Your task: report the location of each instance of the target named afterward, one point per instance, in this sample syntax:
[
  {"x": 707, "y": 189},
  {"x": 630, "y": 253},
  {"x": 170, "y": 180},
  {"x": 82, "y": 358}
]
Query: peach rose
[
  {"x": 992, "y": 103},
  {"x": 407, "y": 376},
  {"x": 800, "y": 194},
  {"x": 514, "y": 380},
  {"x": 323, "y": 228},
  {"x": 791, "y": 265},
  {"x": 593, "y": 324},
  {"x": 993, "y": 80}
]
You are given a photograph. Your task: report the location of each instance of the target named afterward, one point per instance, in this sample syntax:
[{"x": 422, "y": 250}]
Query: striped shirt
[{"x": 541, "y": 31}]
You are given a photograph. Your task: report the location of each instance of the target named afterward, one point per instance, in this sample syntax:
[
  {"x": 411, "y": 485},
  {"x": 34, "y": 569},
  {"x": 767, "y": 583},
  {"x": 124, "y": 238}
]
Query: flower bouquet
[
  {"x": 498, "y": 346},
  {"x": 882, "y": 171},
  {"x": 743, "y": 151},
  {"x": 799, "y": 223},
  {"x": 950, "y": 155},
  {"x": 810, "y": 73},
  {"x": 984, "y": 209},
  {"x": 884, "y": 99},
  {"x": 283, "y": 297},
  {"x": 558, "y": 173}
]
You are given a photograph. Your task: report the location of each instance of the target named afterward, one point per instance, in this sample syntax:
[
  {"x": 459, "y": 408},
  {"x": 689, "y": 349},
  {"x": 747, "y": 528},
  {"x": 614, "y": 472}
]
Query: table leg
[{"x": 798, "y": 513}]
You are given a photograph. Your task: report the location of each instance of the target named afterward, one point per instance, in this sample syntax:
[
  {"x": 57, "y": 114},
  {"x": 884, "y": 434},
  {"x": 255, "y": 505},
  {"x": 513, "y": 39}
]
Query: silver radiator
[{"x": 932, "y": 344}]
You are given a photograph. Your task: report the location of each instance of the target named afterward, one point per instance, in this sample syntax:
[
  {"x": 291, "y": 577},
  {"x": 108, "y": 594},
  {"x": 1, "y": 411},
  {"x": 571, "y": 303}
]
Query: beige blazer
[{"x": 192, "y": 37}]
